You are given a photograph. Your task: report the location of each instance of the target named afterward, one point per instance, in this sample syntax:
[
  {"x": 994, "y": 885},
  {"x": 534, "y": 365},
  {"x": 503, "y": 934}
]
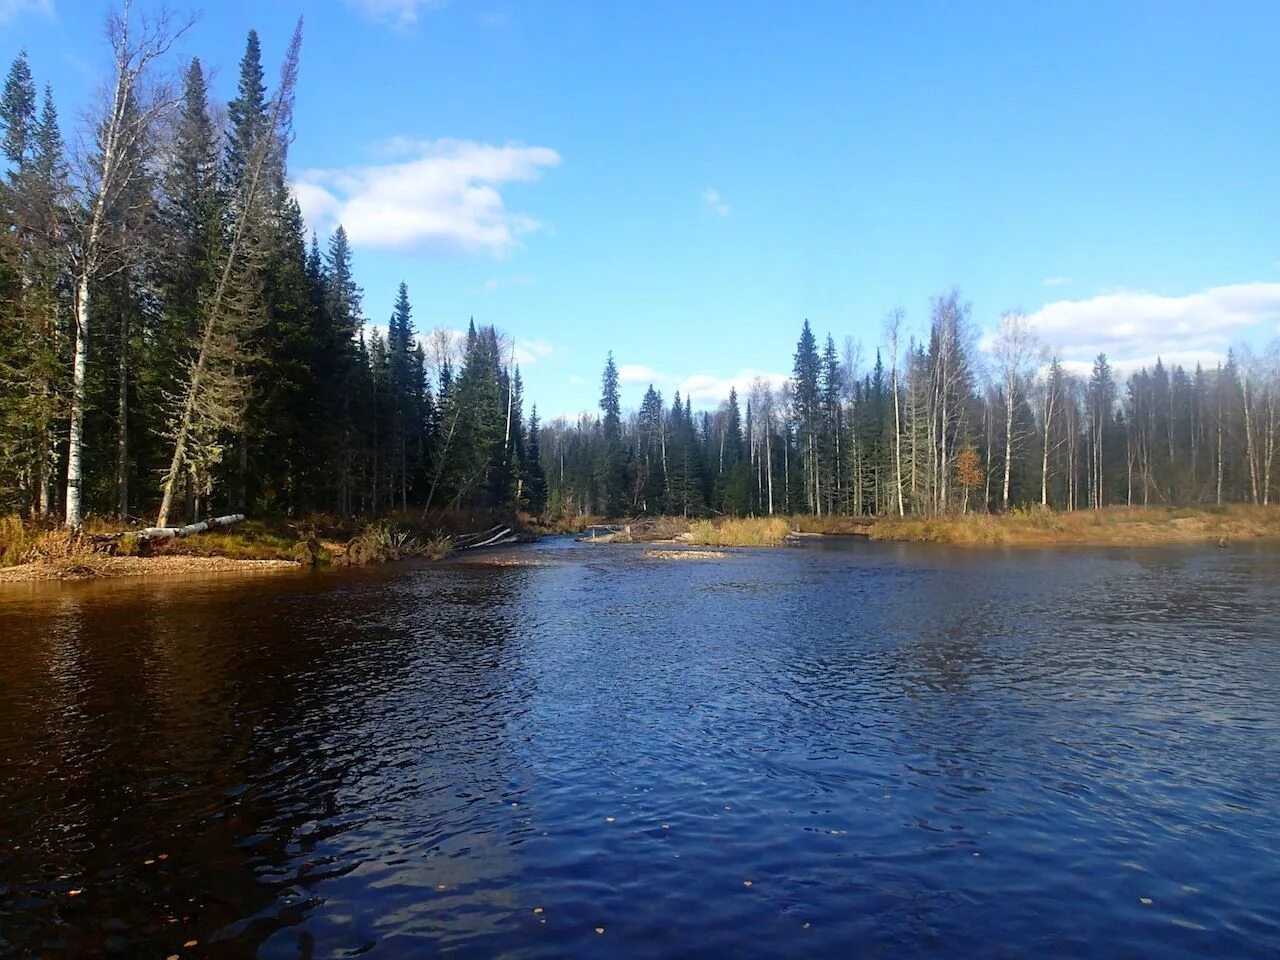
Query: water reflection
[{"x": 888, "y": 749}]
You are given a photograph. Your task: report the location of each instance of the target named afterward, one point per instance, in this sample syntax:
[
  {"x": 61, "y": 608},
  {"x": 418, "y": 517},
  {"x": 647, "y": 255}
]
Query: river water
[{"x": 845, "y": 749}]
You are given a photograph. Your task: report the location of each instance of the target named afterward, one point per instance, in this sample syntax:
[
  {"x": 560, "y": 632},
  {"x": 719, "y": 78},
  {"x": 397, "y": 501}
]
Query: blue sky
[{"x": 683, "y": 184}]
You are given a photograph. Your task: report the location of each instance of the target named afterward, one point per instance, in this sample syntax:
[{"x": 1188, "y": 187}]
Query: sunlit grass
[
  {"x": 1113, "y": 525},
  {"x": 752, "y": 532}
]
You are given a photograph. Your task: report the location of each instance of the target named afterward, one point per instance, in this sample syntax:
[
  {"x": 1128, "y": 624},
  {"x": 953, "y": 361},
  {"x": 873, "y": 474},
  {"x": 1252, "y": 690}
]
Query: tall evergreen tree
[{"x": 610, "y": 469}]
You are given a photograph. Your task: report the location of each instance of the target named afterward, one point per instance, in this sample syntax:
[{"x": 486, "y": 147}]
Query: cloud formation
[
  {"x": 9, "y": 9},
  {"x": 1056, "y": 281},
  {"x": 529, "y": 352},
  {"x": 454, "y": 341},
  {"x": 711, "y": 197},
  {"x": 702, "y": 389},
  {"x": 439, "y": 196},
  {"x": 1132, "y": 329},
  {"x": 401, "y": 14}
]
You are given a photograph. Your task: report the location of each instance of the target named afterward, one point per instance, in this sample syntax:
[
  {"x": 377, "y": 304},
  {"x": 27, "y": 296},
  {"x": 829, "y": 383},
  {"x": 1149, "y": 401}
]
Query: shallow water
[{"x": 846, "y": 749}]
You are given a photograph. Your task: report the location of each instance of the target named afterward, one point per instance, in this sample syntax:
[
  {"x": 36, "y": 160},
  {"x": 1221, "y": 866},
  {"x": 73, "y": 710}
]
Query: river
[{"x": 844, "y": 749}]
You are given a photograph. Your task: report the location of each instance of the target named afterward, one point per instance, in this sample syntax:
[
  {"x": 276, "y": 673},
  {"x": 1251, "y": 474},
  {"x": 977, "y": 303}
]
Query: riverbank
[
  {"x": 1113, "y": 526},
  {"x": 104, "y": 567},
  {"x": 34, "y": 552}
]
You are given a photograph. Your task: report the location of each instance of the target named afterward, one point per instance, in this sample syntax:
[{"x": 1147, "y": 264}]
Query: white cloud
[
  {"x": 1132, "y": 329},
  {"x": 443, "y": 197},
  {"x": 1121, "y": 368},
  {"x": 1056, "y": 281},
  {"x": 705, "y": 389},
  {"x": 9, "y": 9},
  {"x": 401, "y": 14},
  {"x": 639, "y": 374},
  {"x": 711, "y": 197},
  {"x": 702, "y": 389},
  {"x": 527, "y": 352},
  {"x": 531, "y": 351}
]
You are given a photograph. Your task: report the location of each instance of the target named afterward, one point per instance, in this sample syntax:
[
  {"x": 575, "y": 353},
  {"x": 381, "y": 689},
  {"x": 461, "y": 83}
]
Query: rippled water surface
[{"x": 843, "y": 750}]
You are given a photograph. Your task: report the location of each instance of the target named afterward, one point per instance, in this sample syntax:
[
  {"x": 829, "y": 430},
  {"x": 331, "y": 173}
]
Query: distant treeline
[
  {"x": 932, "y": 425},
  {"x": 170, "y": 343}
]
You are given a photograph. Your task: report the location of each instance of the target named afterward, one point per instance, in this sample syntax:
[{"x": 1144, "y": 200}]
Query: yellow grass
[
  {"x": 1111, "y": 526},
  {"x": 754, "y": 532}
]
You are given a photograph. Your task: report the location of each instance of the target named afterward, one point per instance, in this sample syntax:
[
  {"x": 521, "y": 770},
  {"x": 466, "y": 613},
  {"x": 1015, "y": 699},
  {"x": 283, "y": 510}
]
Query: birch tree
[
  {"x": 109, "y": 176},
  {"x": 1015, "y": 350},
  {"x": 893, "y": 336}
]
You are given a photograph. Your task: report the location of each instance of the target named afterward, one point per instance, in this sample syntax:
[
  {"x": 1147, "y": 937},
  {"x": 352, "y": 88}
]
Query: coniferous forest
[
  {"x": 931, "y": 425},
  {"x": 173, "y": 343}
]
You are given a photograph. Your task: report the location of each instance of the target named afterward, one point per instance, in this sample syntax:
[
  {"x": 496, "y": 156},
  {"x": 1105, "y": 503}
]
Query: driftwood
[
  {"x": 493, "y": 537},
  {"x": 168, "y": 533}
]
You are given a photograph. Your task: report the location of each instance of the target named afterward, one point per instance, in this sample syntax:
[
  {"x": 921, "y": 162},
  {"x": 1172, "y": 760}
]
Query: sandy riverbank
[{"x": 105, "y": 567}]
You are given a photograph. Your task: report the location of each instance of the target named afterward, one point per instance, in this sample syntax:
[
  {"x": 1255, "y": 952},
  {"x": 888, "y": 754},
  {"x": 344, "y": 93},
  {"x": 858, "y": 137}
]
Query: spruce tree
[
  {"x": 535, "y": 476},
  {"x": 805, "y": 379},
  {"x": 610, "y": 481}
]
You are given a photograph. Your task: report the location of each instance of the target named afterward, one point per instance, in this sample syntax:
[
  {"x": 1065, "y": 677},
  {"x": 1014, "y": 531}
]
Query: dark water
[{"x": 904, "y": 751}]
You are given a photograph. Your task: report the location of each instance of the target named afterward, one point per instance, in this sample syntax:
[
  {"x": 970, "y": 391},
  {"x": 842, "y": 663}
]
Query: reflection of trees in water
[{"x": 239, "y": 731}]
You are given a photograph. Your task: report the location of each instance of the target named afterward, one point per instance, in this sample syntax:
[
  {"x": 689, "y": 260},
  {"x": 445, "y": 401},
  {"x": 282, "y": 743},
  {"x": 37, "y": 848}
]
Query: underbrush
[
  {"x": 29, "y": 541},
  {"x": 247, "y": 540}
]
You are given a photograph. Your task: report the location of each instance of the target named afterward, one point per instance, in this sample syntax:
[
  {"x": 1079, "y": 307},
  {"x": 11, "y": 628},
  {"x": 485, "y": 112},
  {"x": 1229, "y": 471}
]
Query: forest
[
  {"x": 933, "y": 425},
  {"x": 173, "y": 343}
]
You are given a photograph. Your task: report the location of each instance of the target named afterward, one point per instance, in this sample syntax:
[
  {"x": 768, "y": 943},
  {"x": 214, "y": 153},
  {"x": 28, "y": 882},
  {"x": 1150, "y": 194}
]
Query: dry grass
[
  {"x": 1112, "y": 526},
  {"x": 100, "y": 565},
  {"x": 249, "y": 540},
  {"x": 753, "y": 532},
  {"x": 437, "y": 546}
]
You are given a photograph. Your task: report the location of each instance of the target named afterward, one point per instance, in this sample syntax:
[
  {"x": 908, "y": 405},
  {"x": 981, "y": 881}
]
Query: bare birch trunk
[
  {"x": 1250, "y": 447},
  {"x": 897, "y": 439},
  {"x": 79, "y": 380},
  {"x": 768, "y": 456},
  {"x": 122, "y": 421}
]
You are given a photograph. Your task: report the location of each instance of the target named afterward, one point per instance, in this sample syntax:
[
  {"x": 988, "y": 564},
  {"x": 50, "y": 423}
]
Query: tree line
[
  {"x": 171, "y": 342},
  {"x": 932, "y": 425}
]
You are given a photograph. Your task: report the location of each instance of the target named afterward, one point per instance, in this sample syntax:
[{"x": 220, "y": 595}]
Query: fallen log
[
  {"x": 469, "y": 539},
  {"x": 108, "y": 540},
  {"x": 169, "y": 533},
  {"x": 502, "y": 537}
]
